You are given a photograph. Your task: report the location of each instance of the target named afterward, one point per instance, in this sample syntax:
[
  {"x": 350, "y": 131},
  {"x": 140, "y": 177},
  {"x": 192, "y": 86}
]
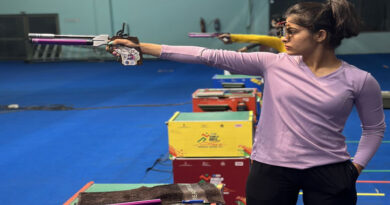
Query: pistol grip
[{"x": 129, "y": 56}]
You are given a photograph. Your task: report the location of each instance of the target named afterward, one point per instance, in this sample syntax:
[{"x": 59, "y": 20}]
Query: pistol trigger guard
[{"x": 129, "y": 56}]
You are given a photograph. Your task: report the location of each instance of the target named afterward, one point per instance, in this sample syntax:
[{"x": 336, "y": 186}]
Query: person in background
[
  {"x": 271, "y": 42},
  {"x": 308, "y": 95}
]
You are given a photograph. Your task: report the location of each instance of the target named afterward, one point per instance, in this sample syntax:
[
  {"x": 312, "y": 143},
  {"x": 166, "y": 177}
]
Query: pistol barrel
[
  {"x": 50, "y": 35},
  {"x": 62, "y": 41}
]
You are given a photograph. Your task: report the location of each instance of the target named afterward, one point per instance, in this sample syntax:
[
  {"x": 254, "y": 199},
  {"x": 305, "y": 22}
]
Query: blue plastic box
[{"x": 238, "y": 81}]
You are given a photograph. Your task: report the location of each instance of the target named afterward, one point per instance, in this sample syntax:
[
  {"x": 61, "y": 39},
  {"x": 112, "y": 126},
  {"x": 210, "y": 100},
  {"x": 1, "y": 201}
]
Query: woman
[{"x": 308, "y": 96}]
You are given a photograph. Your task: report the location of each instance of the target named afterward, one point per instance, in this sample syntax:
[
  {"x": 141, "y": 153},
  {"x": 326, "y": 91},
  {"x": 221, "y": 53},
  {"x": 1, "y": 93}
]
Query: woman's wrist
[
  {"x": 151, "y": 49},
  {"x": 358, "y": 167}
]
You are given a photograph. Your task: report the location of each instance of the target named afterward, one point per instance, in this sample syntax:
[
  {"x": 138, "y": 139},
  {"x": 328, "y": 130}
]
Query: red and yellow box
[
  {"x": 210, "y": 134},
  {"x": 231, "y": 172}
]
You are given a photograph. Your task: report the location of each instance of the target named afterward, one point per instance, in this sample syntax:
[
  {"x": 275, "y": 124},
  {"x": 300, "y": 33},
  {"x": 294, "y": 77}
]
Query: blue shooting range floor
[{"x": 117, "y": 131}]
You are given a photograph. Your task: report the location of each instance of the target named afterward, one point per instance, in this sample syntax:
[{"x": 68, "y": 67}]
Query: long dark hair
[{"x": 337, "y": 17}]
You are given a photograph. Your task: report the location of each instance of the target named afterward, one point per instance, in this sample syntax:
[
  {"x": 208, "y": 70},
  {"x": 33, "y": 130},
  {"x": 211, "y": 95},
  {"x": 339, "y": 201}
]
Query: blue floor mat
[{"x": 49, "y": 155}]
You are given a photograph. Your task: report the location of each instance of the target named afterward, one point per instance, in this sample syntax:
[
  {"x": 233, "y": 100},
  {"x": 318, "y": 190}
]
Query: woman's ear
[{"x": 321, "y": 35}]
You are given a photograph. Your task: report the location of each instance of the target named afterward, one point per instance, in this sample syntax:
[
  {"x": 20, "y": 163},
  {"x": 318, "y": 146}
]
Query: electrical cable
[
  {"x": 250, "y": 15},
  {"x": 111, "y": 12},
  {"x": 159, "y": 161},
  {"x": 59, "y": 107}
]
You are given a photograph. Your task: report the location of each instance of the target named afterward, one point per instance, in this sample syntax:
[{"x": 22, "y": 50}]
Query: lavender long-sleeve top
[{"x": 303, "y": 115}]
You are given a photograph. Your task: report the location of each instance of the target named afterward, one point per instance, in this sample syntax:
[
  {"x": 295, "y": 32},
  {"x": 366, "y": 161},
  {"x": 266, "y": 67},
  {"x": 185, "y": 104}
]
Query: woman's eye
[{"x": 291, "y": 31}]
